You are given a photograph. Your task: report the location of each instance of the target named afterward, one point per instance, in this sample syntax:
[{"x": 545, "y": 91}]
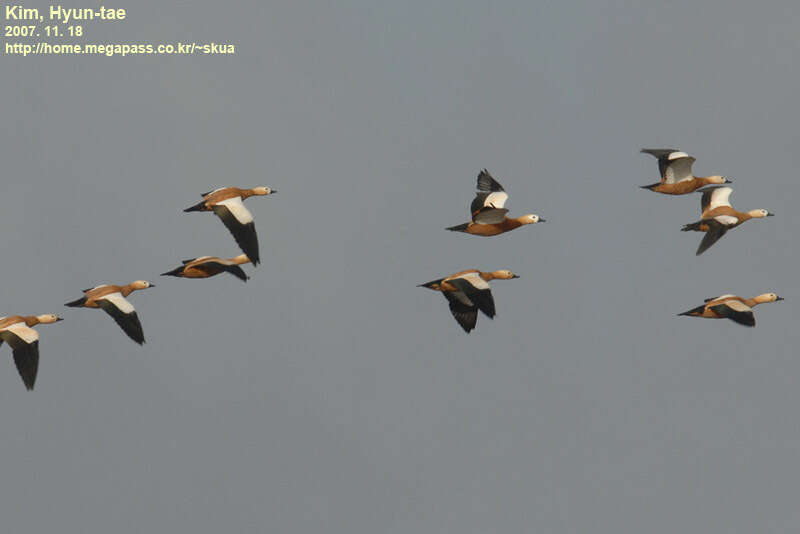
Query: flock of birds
[
  {"x": 717, "y": 216},
  {"x": 225, "y": 202},
  {"x": 466, "y": 292}
]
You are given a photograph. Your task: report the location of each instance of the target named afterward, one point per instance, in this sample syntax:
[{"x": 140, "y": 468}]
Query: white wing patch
[
  {"x": 676, "y": 155},
  {"x": 475, "y": 280},
  {"x": 737, "y": 305},
  {"x": 727, "y": 220},
  {"x": 496, "y": 199},
  {"x": 719, "y": 197},
  {"x": 724, "y": 297},
  {"x": 28, "y": 335},
  {"x": 119, "y": 302},
  {"x": 237, "y": 209}
]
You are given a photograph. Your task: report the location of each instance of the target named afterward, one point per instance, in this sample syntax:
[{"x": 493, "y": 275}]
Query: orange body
[
  {"x": 681, "y": 188},
  {"x": 493, "y": 229}
]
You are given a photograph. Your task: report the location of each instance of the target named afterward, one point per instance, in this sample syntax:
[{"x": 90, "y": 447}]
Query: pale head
[
  {"x": 530, "y": 219},
  {"x": 504, "y": 274},
  {"x": 767, "y": 297},
  {"x": 717, "y": 180},
  {"x": 240, "y": 259},
  {"x": 759, "y": 214},
  {"x": 263, "y": 190},
  {"x": 141, "y": 284},
  {"x": 48, "y": 318}
]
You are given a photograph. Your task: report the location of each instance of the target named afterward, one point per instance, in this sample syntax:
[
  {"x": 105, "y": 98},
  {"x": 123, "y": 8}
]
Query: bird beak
[
  {"x": 273, "y": 191},
  {"x": 770, "y": 214},
  {"x": 727, "y": 181},
  {"x": 59, "y": 318},
  {"x": 514, "y": 276},
  {"x": 542, "y": 220},
  {"x": 152, "y": 285},
  {"x": 779, "y": 298}
]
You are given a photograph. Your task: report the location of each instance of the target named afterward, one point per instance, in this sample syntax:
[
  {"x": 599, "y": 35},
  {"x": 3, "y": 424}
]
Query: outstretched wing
[
  {"x": 463, "y": 310},
  {"x": 239, "y": 221},
  {"x": 487, "y": 183},
  {"x": 678, "y": 169},
  {"x": 24, "y": 342},
  {"x": 736, "y": 311},
  {"x": 663, "y": 156},
  {"x": 714, "y": 197},
  {"x": 124, "y": 314},
  {"x": 477, "y": 290},
  {"x": 491, "y": 194},
  {"x": 716, "y": 229},
  {"x": 218, "y": 266}
]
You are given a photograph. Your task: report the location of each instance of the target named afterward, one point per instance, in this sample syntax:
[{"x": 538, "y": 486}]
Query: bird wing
[
  {"x": 489, "y": 215},
  {"x": 716, "y": 229},
  {"x": 678, "y": 169},
  {"x": 224, "y": 265},
  {"x": 476, "y": 290},
  {"x": 487, "y": 183},
  {"x": 239, "y": 221},
  {"x": 714, "y": 197},
  {"x": 24, "y": 343},
  {"x": 737, "y": 311},
  {"x": 463, "y": 310},
  {"x": 124, "y": 314},
  {"x": 663, "y": 157}
]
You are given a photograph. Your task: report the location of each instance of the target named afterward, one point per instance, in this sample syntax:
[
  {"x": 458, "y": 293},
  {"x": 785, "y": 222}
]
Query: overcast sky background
[{"x": 329, "y": 394}]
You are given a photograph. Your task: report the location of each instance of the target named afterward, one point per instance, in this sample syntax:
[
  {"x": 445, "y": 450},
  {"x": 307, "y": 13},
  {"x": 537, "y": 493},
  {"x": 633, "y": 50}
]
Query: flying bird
[
  {"x": 732, "y": 307},
  {"x": 675, "y": 168},
  {"x": 489, "y": 212},
  {"x": 226, "y": 203},
  {"x": 467, "y": 292},
  {"x": 16, "y": 331},
  {"x": 718, "y": 216},
  {"x": 111, "y": 299},
  {"x": 207, "y": 266}
]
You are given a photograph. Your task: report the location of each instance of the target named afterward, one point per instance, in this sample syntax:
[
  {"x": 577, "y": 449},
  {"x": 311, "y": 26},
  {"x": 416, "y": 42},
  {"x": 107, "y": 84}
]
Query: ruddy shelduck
[
  {"x": 206, "y": 266},
  {"x": 675, "y": 168},
  {"x": 732, "y": 307},
  {"x": 488, "y": 211},
  {"x": 24, "y": 341},
  {"x": 226, "y": 203},
  {"x": 111, "y": 299},
  {"x": 718, "y": 216},
  {"x": 467, "y": 292}
]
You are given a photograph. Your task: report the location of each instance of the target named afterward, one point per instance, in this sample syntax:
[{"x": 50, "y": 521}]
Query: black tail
[
  {"x": 694, "y": 227},
  {"x": 433, "y": 284},
  {"x": 174, "y": 272},
  {"x": 694, "y": 311},
  {"x": 651, "y": 187},
  {"x": 200, "y": 206},
  {"x": 459, "y": 228},
  {"x": 76, "y": 303}
]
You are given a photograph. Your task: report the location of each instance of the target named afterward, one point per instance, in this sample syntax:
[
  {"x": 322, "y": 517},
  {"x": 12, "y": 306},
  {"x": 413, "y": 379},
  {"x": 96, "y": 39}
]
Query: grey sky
[{"x": 329, "y": 394}]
